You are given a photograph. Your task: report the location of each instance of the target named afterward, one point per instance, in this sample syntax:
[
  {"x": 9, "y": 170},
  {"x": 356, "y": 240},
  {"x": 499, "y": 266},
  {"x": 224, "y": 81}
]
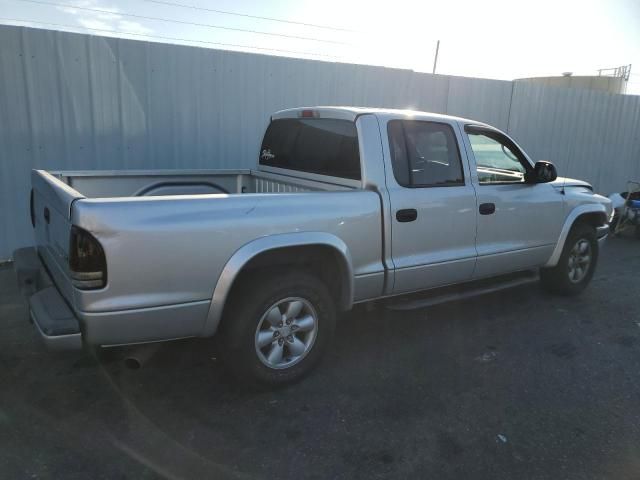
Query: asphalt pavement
[{"x": 515, "y": 385}]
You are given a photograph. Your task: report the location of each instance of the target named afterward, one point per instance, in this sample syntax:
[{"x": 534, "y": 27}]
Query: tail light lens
[{"x": 87, "y": 263}]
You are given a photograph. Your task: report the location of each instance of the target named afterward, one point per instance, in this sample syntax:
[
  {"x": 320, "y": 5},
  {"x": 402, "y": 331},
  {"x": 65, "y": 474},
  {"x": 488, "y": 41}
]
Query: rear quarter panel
[{"x": 171, "y": 250}]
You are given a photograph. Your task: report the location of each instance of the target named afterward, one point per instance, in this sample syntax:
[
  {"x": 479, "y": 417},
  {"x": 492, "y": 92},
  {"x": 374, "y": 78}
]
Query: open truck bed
[
  {"x": 141, "y": 183},
  {"x": 179, "y": 229}
]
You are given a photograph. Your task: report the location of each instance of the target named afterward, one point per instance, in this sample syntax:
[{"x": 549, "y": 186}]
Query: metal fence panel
[
  {"x": 480, "y": 99},
  {"x": 590, "y": 135},
  {"x": 72, "y": 101}
]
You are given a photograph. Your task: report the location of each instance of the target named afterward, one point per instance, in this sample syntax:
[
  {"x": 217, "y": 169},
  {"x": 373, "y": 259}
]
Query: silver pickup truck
[{"x": 345, "y": 206}]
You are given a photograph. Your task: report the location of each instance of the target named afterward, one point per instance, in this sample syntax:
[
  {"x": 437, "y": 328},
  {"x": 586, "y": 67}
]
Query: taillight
[{"x": 87, "y": 264}]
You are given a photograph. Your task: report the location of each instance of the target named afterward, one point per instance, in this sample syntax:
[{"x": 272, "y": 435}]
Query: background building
[{"x": 612, "y": 80}]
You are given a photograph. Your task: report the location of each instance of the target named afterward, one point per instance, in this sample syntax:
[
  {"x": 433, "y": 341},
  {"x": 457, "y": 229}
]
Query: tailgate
[{"x": 52, "y": 200}]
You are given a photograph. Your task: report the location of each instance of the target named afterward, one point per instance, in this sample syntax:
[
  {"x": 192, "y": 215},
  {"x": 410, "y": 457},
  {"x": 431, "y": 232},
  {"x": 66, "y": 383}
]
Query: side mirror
[{"x": 543, "y": 172}]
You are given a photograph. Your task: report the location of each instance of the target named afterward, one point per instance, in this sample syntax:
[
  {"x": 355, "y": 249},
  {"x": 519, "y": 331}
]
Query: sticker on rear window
[{"x": 266, "y": 155}]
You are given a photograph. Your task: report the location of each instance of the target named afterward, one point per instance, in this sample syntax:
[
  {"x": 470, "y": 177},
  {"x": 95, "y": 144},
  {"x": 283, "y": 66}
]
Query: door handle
[
  {"x": 487, "y": 208},
  {"x": 47, "y": 215},
  {"x": 407, "y": 215}
]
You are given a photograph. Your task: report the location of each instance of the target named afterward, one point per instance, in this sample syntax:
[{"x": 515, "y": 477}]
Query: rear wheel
[
  {"x": 577, "y": 262},
  {"x": 277, "y": 327}
]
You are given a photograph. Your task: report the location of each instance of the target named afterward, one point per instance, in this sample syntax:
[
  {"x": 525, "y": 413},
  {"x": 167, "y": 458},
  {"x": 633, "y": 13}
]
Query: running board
[{"x": 463, "y": 291}]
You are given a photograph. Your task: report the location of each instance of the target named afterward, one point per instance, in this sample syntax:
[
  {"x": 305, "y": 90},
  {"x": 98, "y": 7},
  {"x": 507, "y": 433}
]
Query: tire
[
  {"x": 252, "y": 315},
  {"x": 572, "y": 274}
]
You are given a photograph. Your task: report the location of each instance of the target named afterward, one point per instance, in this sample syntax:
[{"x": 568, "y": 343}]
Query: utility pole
[{"x": 435, "y": 60}]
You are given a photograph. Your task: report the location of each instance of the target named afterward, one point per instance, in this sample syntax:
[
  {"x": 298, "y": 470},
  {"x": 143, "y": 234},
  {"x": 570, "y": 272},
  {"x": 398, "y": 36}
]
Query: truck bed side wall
[
  {"x": 137, "y": 183},
  {"x": 171, "y": 250}
]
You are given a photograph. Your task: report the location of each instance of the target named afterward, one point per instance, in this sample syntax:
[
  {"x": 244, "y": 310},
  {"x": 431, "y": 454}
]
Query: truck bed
[
  {"x": 168, "y": 236},
  {"x": 142, "y": 183}
]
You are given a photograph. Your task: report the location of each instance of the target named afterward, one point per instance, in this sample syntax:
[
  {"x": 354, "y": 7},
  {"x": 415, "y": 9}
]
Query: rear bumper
[
  {"x": 57, "y": 325},
  {"x": 63, "y": 328},
  {"x": 54, "y": 320}
]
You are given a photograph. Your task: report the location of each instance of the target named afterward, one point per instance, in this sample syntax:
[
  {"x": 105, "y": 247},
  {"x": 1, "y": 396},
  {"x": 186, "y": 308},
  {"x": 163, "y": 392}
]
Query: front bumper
[
  {"x": 602, "y": 232},
  {"x": 53, "y": 318}
]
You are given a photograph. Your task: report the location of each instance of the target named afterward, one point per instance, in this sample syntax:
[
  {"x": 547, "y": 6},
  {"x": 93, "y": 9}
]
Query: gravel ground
[{"x": 514, "y": 385}]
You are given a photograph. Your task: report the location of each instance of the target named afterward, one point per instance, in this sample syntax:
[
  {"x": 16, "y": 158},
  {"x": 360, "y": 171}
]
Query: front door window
[{"x": 496, "y": 162}]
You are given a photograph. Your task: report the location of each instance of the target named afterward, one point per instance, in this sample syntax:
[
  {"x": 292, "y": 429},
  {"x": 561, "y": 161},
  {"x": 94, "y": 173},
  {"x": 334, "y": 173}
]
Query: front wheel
[
  {"x": 277, "y": 327},
  {"x": 576, "y": 265}
]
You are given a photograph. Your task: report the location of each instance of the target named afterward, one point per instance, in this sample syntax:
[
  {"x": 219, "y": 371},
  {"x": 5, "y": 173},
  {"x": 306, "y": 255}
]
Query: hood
[{"x": 570, "y": 182}]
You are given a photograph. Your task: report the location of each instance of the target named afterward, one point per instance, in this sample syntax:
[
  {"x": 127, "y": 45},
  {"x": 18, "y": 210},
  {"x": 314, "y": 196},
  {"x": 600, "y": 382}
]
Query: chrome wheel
[
  {"x": 286, "y": 332},
  {"x": 579, "y": 261}
]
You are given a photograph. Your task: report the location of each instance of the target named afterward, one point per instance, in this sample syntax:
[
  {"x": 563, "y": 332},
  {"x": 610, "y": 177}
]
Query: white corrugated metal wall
[
  {"x": 71, "y": 101},
  {"x": 588, "y": 134}
]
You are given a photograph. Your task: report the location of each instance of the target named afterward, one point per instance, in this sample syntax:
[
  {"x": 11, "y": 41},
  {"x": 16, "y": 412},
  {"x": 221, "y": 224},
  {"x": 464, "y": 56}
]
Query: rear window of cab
[{"x": 322, "y": 146}]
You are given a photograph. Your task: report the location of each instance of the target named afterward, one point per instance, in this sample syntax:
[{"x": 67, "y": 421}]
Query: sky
[{"x": 488, "y": 39}]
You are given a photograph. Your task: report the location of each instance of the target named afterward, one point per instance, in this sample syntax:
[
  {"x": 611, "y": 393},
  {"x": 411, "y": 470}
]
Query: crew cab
[{"x": 345, "y": 206}]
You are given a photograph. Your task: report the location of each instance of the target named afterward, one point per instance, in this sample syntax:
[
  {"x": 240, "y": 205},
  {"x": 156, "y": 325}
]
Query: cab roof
[{"x": 351, "y": 113}]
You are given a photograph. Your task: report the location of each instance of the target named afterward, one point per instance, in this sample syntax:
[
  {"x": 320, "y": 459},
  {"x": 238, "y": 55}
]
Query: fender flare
[
  {"x": 264, "y": 244},
  {"x": 566, "y": 228}
]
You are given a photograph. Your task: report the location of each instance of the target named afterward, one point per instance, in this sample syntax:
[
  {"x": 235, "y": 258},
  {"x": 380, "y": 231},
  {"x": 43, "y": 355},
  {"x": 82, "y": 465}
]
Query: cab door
[
  {"x": 433, "y": 205},
  {"x": 518, "y": 222}
]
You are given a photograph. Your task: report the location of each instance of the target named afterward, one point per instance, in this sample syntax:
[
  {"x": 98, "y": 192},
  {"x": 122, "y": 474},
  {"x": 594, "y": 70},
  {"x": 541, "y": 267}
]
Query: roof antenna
[{"x": 435, "y": 59}]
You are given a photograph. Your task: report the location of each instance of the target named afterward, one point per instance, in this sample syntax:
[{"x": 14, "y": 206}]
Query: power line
[
  {"x": 257, "y": 17},
  {"x": 297, "y": 52},
  {"x": 146, "y": 17}
]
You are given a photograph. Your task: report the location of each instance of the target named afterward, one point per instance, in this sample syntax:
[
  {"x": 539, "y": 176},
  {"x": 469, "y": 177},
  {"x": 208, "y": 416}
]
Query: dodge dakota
[{"x": 345, "y": 206}]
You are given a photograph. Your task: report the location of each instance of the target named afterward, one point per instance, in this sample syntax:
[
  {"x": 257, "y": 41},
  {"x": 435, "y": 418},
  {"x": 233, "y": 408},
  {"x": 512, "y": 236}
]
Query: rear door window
[
  {"x": 316, "y": 145},
  {"x": 424, "y": 154}
]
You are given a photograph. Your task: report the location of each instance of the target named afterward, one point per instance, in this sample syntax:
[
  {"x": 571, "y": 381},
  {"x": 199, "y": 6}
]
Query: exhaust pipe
[{"x": 138, "y": 356}]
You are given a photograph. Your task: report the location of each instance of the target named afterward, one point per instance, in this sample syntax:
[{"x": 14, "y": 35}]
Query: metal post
[{"x": 435, "y": 60}]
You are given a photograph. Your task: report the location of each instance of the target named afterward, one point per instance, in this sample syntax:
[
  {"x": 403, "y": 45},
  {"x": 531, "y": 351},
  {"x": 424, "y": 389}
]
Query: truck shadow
[
  {"x": 385, "y": 370},
  {"x": 450, "y": 349}
]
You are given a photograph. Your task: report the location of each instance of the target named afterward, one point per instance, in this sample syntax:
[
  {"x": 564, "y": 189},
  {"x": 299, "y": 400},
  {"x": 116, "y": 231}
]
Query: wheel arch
[
  {"x": 290, "y": 249},
  {"x": 594, "y": 214}
]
